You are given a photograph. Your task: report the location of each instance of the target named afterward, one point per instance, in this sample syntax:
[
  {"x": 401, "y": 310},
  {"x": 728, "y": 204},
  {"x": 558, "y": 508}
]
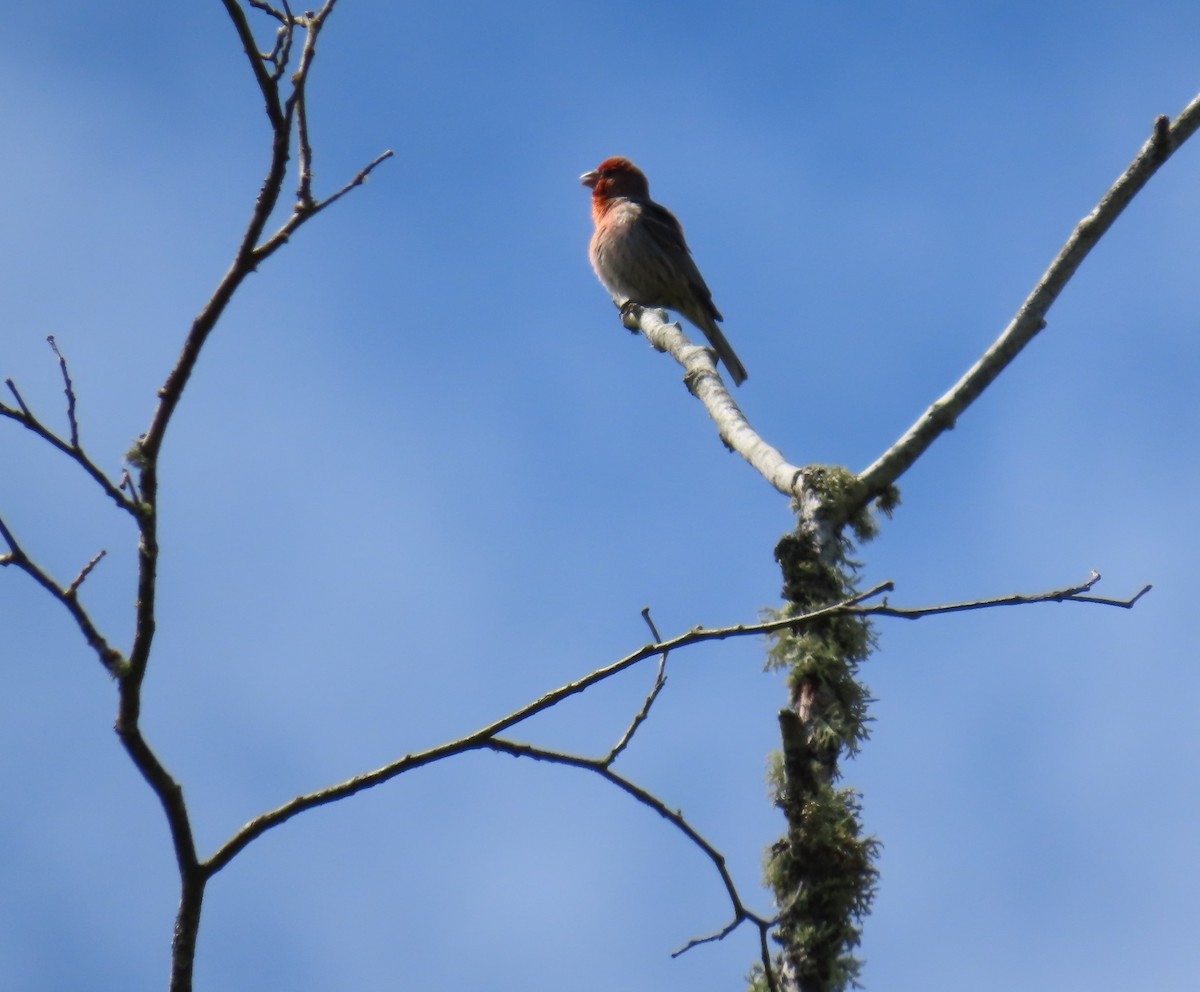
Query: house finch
[{"x": 640, "y": 254}]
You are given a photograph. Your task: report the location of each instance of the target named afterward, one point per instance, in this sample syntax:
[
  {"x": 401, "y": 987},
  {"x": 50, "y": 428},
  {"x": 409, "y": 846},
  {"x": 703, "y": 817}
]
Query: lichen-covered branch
[{"x": 822, "y": 869}]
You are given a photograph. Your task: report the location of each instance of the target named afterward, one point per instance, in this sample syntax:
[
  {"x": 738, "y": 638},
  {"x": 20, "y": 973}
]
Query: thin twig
[
  {"x": 109, "y": 656},
  {"x": 304, "y": 195},
  {"x": 602, "y": 768},
  {"x": 297, "y": 106},
  {"x": 15, "y": 555},
  {"x": 69, "y": 388},
  {"x": 298, "y": 103},
  {"x": 26, "y": 418},
  {"x": 73, "y": 588},
  {"x": 298, "y": 217},
  {"x": 280, "y": 50},
  {"x": 127, "y": 484},
  {"x": 650, "y": 623},
  {"x": 481, "y": 737},
  {"x": 721, "y": 934},
  {"x": 1072, "y": 594},
  {"x": 674, "y": 817},
  {"x": 266, "y": 8},
  {"x": 660, "y": 681},
  {"x": 12, "y": 388},
  {"x": 488, "y": 737},
  {"x": 281, "y": 54},
  {"x": 1126, "y": 604}
]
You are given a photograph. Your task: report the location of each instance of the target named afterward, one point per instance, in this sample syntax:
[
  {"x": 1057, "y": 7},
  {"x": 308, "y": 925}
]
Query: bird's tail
[{"x": 733, "y": 364}]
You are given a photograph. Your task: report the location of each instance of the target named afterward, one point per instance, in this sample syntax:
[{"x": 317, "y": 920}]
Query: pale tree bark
[{"x": 821, "y": 869}]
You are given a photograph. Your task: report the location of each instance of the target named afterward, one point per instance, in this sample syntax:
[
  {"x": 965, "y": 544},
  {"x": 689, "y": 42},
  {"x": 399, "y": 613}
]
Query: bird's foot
[{"x": 631, "y": 314}]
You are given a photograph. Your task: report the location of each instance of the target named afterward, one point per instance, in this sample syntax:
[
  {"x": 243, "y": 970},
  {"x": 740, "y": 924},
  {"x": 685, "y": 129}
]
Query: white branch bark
[{"x": 707, "y": 385}]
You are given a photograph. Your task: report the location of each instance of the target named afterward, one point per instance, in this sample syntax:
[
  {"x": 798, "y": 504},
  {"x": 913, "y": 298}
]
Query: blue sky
[{"x": 422, "y": 476}]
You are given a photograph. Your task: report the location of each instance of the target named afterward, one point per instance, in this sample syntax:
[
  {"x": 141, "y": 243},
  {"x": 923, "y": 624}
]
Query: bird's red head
[{"x": 617, "y": 176}]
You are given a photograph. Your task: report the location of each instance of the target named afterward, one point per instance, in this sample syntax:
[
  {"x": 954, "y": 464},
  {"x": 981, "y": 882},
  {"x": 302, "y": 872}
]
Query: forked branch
[
  {"x": 16, "y": 556},
  {"x": 70, "y": 446},
  {"x": 705, "y": 382},
  {"x": 284, "y": 100},
  {"x": 287, "y": 114},
  {"x": 489, "y": 737}
]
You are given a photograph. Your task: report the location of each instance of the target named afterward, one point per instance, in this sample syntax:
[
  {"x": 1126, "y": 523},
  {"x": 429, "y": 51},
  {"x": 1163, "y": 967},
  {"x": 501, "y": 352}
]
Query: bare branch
[
  {"x": 266, "y": 85},
  {"x": 765, "y": 956},
  {"x": 481, "y": 738},
  {"x": 297, "y": 106},
  {"x": 109, "y": 656},
  {"x": 488, "y": 737},
  {"x": 721, "y": 934},
  {"x": 248, "y": 257},
  {"x": 674, "y": 817},
  {"x": 127, "y": 485},
  {"x": 304, "y": 197},
  {"x": 268, "y": 70},
  {"x": 73, "y": 588},
  {"x": 266, "y": 8},
  {"x": 12, "y": 388},
  {"x": 245, "y": 261},
  {"x": 650, "y": 623},
  {"x": 764, "y": 932},
  {"x": 1071, "y": 594},
  {"x": 170, "y": 795},
  {"x": 281, "y": 51},
  {"x": 26, "y": 418},
  {"x": 660, "y": 682},
  {"x": 1031, "y": 317},
  {"x": 303, "y": 214},
  {"x": 69, "y": 388},
  {"x": 1127, "y": 604},
  {"x": 854, "y": 605},
  {"x": 140, "y": 497}
]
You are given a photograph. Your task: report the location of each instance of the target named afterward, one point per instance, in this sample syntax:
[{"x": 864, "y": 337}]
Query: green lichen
[{"x": 822, "y": 870}]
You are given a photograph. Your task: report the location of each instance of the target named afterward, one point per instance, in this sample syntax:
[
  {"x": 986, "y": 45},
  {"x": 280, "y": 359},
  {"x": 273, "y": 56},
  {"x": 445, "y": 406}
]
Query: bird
[{"x": 640, "y": 255}]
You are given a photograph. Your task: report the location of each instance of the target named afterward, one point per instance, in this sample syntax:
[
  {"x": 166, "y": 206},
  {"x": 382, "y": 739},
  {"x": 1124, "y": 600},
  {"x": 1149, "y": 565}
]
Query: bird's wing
[{"x": 667, "y": 234}]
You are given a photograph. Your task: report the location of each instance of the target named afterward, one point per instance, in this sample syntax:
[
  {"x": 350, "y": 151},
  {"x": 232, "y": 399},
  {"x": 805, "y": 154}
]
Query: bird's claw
[{"x": 631, "y": 314}]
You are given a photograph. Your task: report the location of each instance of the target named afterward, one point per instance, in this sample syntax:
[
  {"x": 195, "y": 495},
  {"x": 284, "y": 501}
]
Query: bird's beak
[{"x": 589, "y": 179}]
